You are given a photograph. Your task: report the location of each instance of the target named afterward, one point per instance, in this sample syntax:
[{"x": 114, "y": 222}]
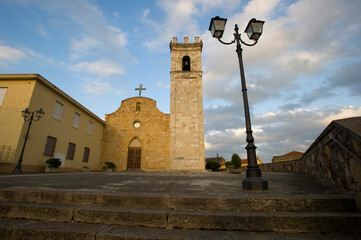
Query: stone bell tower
[{"x": 186, "y": 107}]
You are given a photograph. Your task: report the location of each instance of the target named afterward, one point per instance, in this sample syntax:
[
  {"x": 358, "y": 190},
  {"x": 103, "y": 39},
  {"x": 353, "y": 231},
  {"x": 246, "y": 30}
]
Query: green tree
[
  {"x": 236, "y": 160},
  {"x": 213, "y": 164}
]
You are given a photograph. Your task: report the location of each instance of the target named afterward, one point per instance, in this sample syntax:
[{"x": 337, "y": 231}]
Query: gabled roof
[{"x": 293, "y": 153}]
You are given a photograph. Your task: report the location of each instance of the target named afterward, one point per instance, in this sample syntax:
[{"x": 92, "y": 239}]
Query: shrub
[
  {"x": 53, "y": 162},
  {"x": 236, "y": 160},
  {"x": 110, "y": 165},
  {"x": 228, "y": 163},
  {"x": 213, "y": 165}
]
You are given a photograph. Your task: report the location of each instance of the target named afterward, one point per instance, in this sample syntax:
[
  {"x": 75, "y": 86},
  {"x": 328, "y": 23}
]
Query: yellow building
[
  {"x": 291, "y": 156},
  {"x": 67, "y": 131},
  {"x": 245, "y": 162}
]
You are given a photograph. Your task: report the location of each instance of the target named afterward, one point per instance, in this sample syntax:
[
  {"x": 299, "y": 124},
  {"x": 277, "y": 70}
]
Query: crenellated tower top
[{"x": 186, "y": 57}]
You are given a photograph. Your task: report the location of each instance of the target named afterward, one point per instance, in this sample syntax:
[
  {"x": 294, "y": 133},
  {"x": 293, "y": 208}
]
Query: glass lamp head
[
  {"x": 254, "y": 29},
  {"x": 40, "y": 113},
  {"x": 25, "y": 113},
  {"x": 217, "y": 26}
]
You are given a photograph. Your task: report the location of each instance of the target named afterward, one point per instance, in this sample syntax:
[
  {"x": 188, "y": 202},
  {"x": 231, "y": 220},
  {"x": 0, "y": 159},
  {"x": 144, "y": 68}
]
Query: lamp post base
[
  {"x": 255, "y": 183},
  {"x": 17, "y": 171}
]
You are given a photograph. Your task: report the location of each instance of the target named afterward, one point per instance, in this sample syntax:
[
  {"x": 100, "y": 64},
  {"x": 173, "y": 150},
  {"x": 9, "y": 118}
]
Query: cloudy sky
[{"x": 303, "y": 73}]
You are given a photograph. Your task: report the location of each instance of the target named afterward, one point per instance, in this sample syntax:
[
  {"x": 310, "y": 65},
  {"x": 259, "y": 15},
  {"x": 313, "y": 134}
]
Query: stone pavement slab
[{"x": 12, "y": 229}]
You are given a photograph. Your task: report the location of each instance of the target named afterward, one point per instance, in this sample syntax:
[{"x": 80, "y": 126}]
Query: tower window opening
[{"x": 186, "y": 63}]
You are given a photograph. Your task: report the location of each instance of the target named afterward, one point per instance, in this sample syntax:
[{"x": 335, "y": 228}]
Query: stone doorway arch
[{"x": 134, "y": 154}]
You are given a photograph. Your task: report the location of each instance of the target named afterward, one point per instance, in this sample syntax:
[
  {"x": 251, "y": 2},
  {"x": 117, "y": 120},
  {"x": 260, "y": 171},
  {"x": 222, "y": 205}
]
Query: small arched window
[{"x": 186, "y": 63}]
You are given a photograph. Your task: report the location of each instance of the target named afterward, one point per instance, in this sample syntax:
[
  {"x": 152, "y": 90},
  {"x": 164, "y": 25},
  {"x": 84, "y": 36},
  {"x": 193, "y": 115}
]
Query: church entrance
[{"x": 134, "y": 155}]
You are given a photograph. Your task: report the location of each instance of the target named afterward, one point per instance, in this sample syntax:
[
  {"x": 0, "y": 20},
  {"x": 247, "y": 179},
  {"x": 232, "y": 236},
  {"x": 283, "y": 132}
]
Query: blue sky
[{"x": 304, "y": 72}]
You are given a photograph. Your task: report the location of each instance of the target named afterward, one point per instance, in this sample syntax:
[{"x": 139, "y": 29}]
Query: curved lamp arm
[
  {"x": 236, "y": 37},
  {"x": 226, "y": 42},
  {"x": 247, "y": 44}
]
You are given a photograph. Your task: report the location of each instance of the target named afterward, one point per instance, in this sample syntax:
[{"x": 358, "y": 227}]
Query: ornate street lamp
[
  {"x": 28, "y": 116},
  {"x": 253, "y": 180}
]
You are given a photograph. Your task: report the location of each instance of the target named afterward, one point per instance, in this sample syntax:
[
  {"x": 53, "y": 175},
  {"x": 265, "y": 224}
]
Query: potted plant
[
  {"x": 53, "y": 165},
  {"x": 109, "y": 166},
  {"x": 236, "y": 164},
  {"x": 85, "y": 169}
]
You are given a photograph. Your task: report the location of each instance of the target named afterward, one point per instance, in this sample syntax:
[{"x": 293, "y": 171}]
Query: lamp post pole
[
  {"x": 26, "y": 114},
  {"x": 253, "y": 180}
]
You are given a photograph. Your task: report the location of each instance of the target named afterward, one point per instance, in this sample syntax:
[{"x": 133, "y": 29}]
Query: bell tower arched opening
[{"x": 186, "y": 63}]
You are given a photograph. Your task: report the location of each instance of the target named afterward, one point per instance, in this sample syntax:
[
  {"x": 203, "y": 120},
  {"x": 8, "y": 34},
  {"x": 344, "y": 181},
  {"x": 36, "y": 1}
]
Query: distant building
[
  {"x": 245, "y": 162},
  {"x": 67, "y": 131},
  {"x": 291, "y": 156}
]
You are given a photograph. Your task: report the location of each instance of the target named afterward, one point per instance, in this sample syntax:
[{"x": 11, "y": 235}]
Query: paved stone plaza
[{"x": 205, "y": 184}]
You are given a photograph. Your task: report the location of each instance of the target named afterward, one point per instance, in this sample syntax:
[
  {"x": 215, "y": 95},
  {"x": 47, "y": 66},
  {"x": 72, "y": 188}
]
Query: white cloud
[
  {"x": 104, "y": 67},
  {"x": 344, "y": 112},
  {"x": 87, "y": 21},
  {"x": 275, "y": 133},
  {"x": 283, "y": 59},
  {"x": 43, "y": 32},
  {"x": 97, "y": 88},
  {"x": 162, "y": 84},
  {"x": 180, "y": 19},
  {"x": 10, "y": 55},
  {"x": 82, "y": 47}
]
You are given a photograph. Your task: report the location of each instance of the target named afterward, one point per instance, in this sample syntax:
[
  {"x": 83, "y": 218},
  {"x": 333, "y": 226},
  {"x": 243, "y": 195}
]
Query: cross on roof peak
[{"x": 140, "y": 89}]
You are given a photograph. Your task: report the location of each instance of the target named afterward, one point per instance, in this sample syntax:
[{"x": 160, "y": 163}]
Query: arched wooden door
[{"x": 134, "y": 155}]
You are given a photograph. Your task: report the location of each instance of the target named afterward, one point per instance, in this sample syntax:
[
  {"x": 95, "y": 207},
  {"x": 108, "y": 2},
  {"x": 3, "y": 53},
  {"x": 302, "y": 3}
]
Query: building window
[
  {"x": 50, "y": 146},
  {"x": 86, "y": 154},
  {"x": 186, "y": 63},
  {"x": 57, "y": 110},
  {"x": 76, "y": 120},
  {"x": 90, "y": 127},
  {"x": 71, "y": 151},
  {"x": 2, "y": 94}
]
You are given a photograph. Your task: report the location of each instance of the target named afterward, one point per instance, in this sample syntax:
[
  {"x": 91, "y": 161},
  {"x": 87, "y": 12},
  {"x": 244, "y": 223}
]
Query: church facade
[
  {"x": 140, "y": 137},
  {"x": 136, "y": 136}
]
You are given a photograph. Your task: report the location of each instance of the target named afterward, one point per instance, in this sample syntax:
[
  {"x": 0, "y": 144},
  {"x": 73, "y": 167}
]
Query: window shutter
[
  {"x": 2, "y": 95},
  {"x": 90, "y": 128},
  {"x": 50, "y": 146},
  {"x": 71, "y": 151},
  {"x": 76, "y": 120},
  {"x": 57, "y": 110},
  {"x": 86, "y": 154}
]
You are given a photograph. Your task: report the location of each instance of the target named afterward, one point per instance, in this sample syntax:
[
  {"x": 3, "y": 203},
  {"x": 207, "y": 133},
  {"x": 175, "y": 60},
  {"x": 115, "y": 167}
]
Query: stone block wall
[
  {"x": 333, "y": 159},
  {"x": 285, "y": 158}
]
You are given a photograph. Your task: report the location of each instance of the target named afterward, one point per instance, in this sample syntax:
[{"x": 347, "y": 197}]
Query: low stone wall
[
  {"x": 9, "y": 167},
  {"x": 286, "y": 158},
  {"x": 333, "y": 159}
]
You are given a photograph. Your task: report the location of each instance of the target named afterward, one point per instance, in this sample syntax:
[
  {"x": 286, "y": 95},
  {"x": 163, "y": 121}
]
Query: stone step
[
  {"x": 20, "y": 229},
  {"x": 333, "y": 203},
  {"x": 299, "y": 222}
]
